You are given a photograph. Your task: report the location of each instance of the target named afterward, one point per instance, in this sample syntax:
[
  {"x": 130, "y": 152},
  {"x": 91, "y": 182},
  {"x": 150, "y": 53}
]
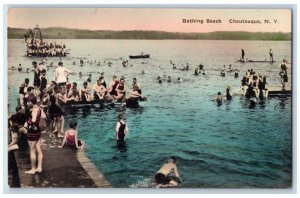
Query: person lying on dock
[
  {"x": 71, "y": 137},
  {"x": 167, "y": 175}
]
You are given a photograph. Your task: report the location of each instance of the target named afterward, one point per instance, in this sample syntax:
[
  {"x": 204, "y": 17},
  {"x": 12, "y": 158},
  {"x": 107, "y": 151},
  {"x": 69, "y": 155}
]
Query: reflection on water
[{"x": 226, "y": 146}]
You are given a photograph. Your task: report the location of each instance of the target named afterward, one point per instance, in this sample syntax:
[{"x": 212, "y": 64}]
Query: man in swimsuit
[{"x": 168, "y": 174}]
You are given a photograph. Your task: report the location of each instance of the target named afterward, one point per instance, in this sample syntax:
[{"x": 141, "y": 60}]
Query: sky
[{"x": 161, "y": 19}]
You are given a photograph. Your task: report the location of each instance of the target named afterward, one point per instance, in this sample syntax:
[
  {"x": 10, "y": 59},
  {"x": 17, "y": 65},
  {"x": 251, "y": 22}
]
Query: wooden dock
[
  {"x": 62, "y": 168},
  {"x": 276, "y": 91}
]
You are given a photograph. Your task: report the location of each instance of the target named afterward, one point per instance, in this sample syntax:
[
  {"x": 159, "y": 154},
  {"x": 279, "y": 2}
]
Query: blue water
[{"x": 230, "y": 146}]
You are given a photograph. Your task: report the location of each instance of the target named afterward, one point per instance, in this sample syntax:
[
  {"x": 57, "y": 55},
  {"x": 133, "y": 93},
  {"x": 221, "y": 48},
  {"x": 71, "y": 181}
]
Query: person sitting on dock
[
  {"x": 121, "y": 89},
  {"x": 73, "y": 94},
  {"x": 71, "y": 137},
  {"x": 168, "y": 174},
  {"x": 135, "y": 95},
  {"x": 85, "y": 93},
  {"x": 99, "y": 91},
  {"x": 112, "y": 92},
  {"x": 121, "y": 129},
  {"x": 136, "y": 84}
]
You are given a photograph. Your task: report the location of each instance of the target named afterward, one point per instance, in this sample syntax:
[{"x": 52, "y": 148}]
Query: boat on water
[
  {"x": 37, "y": 47},
  {"x": 140, "y": 56}
]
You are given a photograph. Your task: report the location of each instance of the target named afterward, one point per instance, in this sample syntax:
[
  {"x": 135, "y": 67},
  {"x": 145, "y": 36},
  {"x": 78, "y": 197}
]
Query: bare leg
[
  {"x": 40, "y": 156},
  {"x": 32, "y": 146},
  {"x": 60, "y": 126}
]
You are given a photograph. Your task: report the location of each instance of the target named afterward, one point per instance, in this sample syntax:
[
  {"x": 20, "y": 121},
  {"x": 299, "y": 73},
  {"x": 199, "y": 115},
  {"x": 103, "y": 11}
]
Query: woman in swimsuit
[
  {"x": 71, "y": 137},
  {"x": 33, "y": 136}
]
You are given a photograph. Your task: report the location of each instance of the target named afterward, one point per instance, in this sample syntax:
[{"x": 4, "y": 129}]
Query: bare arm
[
  {"x": 76, "y": 139},
  {"x": 176, "y": 172},
  {"x": 34, "y": 114},
  {"x": 117, "y": 129}
]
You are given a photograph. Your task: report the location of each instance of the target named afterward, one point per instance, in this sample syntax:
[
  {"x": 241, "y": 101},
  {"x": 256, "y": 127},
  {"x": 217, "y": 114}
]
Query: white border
[{"x": 157, "y": 3}]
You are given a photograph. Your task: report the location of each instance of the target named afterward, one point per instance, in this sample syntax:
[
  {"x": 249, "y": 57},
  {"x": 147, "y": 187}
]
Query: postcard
[{"x": 141, "y": 97}]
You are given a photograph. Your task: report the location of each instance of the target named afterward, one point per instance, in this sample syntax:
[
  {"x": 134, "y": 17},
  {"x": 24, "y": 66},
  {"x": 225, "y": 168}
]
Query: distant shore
[{"x": 66, "y": 33}]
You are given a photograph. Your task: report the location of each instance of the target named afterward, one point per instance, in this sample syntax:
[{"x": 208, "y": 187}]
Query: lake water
[{"x": 230, "y": 146}]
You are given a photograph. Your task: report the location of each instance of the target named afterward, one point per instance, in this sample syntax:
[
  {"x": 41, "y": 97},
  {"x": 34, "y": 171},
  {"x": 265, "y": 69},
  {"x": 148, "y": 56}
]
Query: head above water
[
  {"x": 60, "y": 64},
  {"x": 172, "y": 159},
  {"x": 26, "y": 80},
  {"x": 121, "y": 116}
]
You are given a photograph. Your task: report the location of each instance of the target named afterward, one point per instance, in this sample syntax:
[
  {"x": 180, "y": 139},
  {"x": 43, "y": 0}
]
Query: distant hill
[{"x": 66, "y": 33}]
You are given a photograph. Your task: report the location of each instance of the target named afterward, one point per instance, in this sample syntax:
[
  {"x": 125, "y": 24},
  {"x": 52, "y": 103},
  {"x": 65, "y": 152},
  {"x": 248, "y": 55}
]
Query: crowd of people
[
  {"x": 47, "y": 99},
  {"x": 38, "y": 47}
]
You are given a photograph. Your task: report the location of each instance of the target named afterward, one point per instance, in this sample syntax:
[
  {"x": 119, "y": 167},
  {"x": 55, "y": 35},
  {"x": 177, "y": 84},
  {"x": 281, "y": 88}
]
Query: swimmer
[
  {"x": 223, "y": 72},
  {"x": 219, "y": 98},
  {"x": 168, "y": 174}
]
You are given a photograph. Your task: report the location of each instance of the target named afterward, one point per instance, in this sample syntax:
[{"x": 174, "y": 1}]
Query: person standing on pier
[
  {"x": 33, "y": 135},
  {"x": 243, "y": 55},
  {"x": 283, "y": 73},
  {"x": 271, "y": 55}
]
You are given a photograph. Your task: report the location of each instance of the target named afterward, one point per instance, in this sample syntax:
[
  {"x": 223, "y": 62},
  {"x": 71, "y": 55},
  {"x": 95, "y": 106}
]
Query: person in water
[
  {"x": 168, "y": 174},
  {"x": 219, "y": 98},
  {"x": 121, "y": 129},
  {"x": 71, "y": 137},
  {"x": 228, "y": 92}
]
